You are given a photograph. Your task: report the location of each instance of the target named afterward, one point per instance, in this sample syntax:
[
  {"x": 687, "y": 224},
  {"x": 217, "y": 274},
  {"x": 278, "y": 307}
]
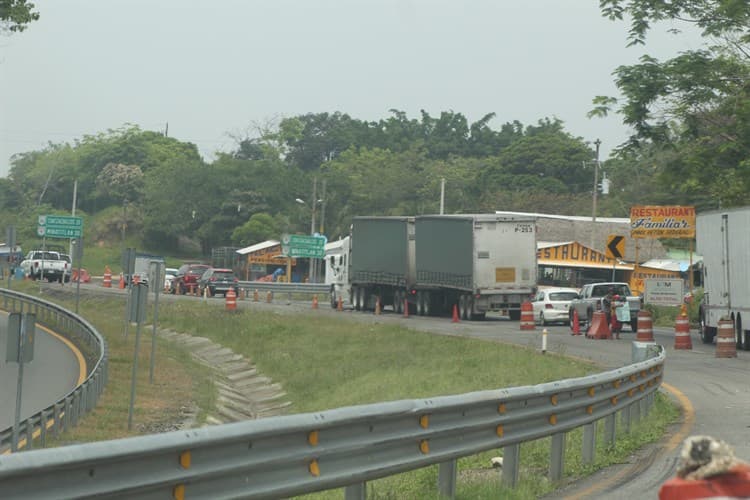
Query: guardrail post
[
  {"x": 43, "y": 429},
  {"x": 66, "y": 414},
  {"x": 635, "y": 412},
  {"x": 589, "y": 443},
  {"x": 74, "y": 405},
  {"x": 557, "y": 456},
  {"x": 56, "y": 419},
  {"x": 447, "y": 478},
  {"x": 511, "y": 458},
  {"x": 625, "y": 418},
  {"x": 610, "y": 424},
  {"x": 29, "y": 433},
  {"x": 355, "y": 491}
]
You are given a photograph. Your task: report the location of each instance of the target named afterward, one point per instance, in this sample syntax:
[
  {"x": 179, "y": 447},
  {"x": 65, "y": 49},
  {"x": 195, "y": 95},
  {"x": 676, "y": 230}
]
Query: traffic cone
[
  {"x": 682, "y": 331},
  {"x": 255, "y": 295},
  {"x": 269, "y": 296},
  {"x": 377, "y": 305},
  {"x": 575, "y": 325},
  {"x": 340, "y": 304},
  {"x": 122, "y": 282},
  {"x": 455, "y": 314},
  {"x": 315, "y": 302},
  {"x": 645, "y": 328},
  {"x": 406, "y": 308}
]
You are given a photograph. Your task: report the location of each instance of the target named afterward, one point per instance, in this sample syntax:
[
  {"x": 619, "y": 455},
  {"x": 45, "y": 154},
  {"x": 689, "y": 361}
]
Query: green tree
[
  {"x": 260, "y": 227},
  {"x": 15, "y": 15}
]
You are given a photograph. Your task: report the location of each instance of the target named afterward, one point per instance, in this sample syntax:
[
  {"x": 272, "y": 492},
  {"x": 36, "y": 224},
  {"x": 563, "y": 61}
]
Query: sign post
[
  {"x": 10, "y": 240},
  {"x": 136, "y": 313},
  {"x": 20, "y": 349}
]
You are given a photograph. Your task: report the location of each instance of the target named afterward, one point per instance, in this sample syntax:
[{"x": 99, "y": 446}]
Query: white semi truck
[
  {"x": 723, "y": 239},
  {"x": 477, "y": 263}
]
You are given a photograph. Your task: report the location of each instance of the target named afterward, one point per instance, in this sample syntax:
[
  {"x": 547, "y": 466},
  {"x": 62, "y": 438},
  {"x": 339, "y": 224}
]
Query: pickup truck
[
  {"x": 590, "y": 300},
  {"x": 45, "y": 264}
]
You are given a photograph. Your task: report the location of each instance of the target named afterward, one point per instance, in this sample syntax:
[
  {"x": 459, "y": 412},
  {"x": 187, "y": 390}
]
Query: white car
[
  {"x": 169, "y": 274},
  {"x": 551, "y": 305}
]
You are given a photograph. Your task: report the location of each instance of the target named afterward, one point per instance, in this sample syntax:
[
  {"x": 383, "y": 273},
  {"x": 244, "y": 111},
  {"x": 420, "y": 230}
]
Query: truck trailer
[
  {"x": 433, "y": 263},
  {"x": 722, "y": 238}
]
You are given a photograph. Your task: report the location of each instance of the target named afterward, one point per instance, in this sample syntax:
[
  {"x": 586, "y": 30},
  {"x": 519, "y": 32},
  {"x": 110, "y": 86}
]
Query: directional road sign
[
  {"x": 59, "y": 226},
  {"x": 615, "y": 247},
  {"x": 299, "y": 245}
]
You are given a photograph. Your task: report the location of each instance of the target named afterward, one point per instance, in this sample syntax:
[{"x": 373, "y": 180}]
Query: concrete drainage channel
[{"x": 243, "y": 393}]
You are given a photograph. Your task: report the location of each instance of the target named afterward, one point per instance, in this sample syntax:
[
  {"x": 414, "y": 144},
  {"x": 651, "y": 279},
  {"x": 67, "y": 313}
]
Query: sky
[{"x": 216, "y": 70}]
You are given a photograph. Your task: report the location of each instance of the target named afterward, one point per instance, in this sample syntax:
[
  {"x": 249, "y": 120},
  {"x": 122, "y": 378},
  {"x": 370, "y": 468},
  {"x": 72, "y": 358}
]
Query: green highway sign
[
  {"x": 59, "y": 226},
  {"x": 300, "y": 245}
]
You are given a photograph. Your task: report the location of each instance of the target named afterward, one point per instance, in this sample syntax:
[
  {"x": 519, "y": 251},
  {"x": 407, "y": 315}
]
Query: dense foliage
[{"x": 136, "y": 182}]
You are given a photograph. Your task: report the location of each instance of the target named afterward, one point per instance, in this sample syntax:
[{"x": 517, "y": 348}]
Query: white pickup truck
[
  {"x": 49, "y": 265},
  {"x": 590, "y": 300}
]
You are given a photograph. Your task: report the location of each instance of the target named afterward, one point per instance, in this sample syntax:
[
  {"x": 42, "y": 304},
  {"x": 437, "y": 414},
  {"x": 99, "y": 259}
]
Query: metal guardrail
[
  {"x": 65, "y": 412},
  {"x": 281, "y": 287},
  {"x": 296, "y": 454}
]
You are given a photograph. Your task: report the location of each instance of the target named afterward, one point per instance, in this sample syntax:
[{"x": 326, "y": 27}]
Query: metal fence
[
  {"x": 346, "y": 447},
  {"x": 65, "y": 412}
]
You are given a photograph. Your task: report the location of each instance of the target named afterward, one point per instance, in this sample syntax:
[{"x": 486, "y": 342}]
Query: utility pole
[
  {"x": 597, "y": 143},
  {"x": 312, "y": 227}
]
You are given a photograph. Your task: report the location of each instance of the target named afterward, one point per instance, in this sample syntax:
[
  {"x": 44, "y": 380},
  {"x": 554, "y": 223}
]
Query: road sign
[
  {"x": 615, "y": 247},
  {"x": 300, "y": 245},
  {"x": 59, "y": 226}
]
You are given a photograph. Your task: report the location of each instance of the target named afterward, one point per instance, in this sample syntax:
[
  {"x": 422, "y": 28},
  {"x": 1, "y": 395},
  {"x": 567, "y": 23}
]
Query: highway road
[
  {"x": 714, "y": 392},
  {"x": 55, "y": 371}
]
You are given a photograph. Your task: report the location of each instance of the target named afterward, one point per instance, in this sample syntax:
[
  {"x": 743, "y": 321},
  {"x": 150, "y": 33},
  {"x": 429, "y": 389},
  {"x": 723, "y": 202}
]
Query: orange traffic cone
[
  {"x": 255, "y": 295},
  {"x": 455, "y": 314},
  {"x": 575, "y": 325},
  {"x": 315, "y": 302},
  {"x": 645, "y": 328},
  {"x": 340, "y": 304},
  {"x": 406, "y": 308},
  {"x": 122, "y": 282}
]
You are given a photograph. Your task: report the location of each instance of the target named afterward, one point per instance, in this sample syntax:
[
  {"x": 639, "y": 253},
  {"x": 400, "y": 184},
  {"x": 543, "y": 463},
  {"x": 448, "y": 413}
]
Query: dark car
[
  {"x": 187, "y": 278},
  {"x": 218, "y": 280}
]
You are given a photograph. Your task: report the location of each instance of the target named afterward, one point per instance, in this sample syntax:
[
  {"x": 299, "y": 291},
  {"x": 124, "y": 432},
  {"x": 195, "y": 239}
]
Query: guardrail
[
  {"x": 345, "y": 447},
  {"x": 282, "y": 287},
  {"x": 65, "y": 412}
]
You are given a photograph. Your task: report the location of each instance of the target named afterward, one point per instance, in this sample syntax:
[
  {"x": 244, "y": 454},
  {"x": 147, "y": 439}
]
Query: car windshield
[
  {"x": 223, "y": 275},
  {"x": 197, "y": 270},
  {"x": 563, "y": 296}
]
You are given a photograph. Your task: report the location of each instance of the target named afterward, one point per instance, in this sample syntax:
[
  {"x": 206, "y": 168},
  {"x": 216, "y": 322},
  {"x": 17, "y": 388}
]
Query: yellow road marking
[{"x": 672, "y": 443}]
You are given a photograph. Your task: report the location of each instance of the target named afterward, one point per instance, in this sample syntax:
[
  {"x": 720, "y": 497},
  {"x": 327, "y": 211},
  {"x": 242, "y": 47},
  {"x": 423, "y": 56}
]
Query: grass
[{"x": 327, "y": 362}]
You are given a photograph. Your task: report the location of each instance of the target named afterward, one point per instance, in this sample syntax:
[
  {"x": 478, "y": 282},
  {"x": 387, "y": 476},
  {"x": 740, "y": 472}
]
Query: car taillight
[{"x": 549, "y": 306}]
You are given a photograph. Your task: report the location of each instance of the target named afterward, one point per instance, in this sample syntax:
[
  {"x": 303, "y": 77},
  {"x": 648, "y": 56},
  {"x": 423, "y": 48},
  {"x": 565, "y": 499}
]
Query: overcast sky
[{"x": 211, "y": 69}]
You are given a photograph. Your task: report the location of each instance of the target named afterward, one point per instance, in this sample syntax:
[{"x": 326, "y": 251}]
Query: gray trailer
[
  {"x": 382, "y": 261},
  {"x": 479, "y": 263},
  {"x": 723, "y": 239}
]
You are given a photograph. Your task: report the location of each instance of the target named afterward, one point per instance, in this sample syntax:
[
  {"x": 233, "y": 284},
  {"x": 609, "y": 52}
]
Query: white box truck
[{"x": 723, "y": 239}]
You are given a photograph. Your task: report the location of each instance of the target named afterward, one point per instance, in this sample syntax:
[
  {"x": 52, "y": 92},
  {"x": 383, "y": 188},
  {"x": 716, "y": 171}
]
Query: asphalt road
[
  {"x": 54, "y": 372},
  {"x": 714, "y": 392}
]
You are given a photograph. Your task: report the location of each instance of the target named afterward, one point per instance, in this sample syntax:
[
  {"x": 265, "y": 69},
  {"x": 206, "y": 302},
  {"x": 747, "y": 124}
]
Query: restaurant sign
[{"x": 669, "y": 221}]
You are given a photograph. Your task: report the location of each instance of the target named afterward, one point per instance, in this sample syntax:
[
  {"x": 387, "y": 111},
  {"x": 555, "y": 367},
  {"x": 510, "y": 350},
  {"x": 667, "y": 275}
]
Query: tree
[
  {"x": 693, "y": 107},
  {"x": 260, "y": 227},
  {"x": 16, "y": 14}
]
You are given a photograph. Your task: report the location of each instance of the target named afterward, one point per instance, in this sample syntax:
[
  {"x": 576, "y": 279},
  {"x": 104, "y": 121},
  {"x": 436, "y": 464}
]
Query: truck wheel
[{"x": 707, "y": 332}]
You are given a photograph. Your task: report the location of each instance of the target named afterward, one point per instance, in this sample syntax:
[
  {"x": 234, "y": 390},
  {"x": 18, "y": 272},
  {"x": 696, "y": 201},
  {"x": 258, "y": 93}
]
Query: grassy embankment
[{"x": 325, "y": 363}]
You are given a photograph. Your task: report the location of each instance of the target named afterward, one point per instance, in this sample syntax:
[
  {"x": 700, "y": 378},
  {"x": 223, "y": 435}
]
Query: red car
[{"x": 187, "y": 278}]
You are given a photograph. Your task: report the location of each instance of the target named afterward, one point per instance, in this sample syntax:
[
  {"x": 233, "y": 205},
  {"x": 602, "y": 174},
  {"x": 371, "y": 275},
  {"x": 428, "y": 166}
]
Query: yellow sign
[
  {"x": 505, "y": 274},
  {"x": 573, "y": 253},
  {"x": 669, "y": 221},
  {"x": 269, "y": 256},
  {"x": 615, "y": 247}
]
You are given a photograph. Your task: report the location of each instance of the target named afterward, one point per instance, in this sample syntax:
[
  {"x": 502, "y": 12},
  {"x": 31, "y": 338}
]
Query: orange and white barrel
[
  {"x": 726, "y": 346},
  {"x": 527, "y": 316},
  {"x": 231, "y": 300},
  {"x": 682, "y": 333},
  {"x": 645, "y": 327}
]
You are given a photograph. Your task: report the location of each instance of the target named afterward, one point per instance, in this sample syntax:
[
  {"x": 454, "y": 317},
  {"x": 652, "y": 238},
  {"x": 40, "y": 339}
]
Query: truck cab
[{"x": 337, "y": 271}]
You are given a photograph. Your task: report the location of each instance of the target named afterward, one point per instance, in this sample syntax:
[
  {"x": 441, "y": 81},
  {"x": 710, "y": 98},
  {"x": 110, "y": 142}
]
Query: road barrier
[
  {"x": 527, "y": 316},
  {"x": 290, "y": 455},
  {"x": 726, "y": 346},
  {"x": 65, "y": 412}
]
